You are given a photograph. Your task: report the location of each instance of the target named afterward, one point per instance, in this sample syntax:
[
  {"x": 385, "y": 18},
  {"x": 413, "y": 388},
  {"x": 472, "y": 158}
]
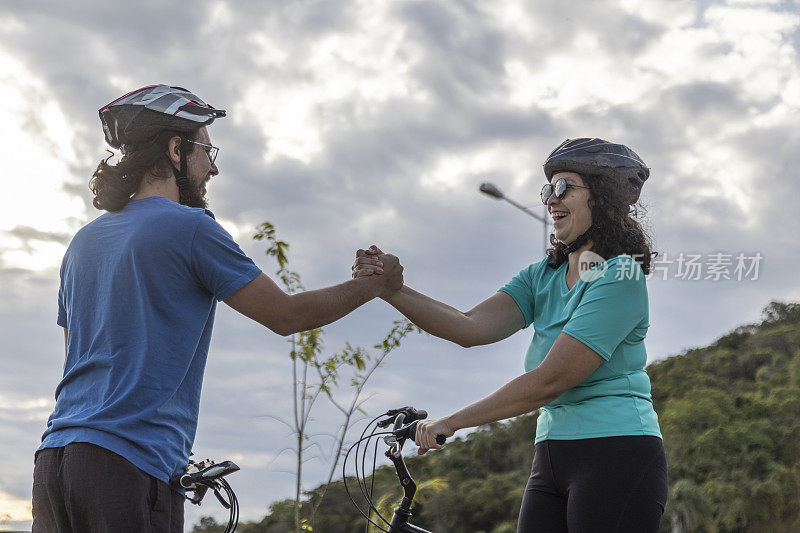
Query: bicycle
[
  {"x": 404, "y": 425},
  {"x": 199, "y": 477}
]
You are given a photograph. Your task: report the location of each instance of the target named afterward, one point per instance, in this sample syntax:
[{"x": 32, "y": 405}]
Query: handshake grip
[{"x": 385, "y": 268}]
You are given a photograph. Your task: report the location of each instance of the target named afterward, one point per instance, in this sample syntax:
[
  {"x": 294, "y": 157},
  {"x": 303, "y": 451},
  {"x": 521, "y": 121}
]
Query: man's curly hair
[
  {"x": 113, "y": 185},
  {"x": 616, "y": 225}
]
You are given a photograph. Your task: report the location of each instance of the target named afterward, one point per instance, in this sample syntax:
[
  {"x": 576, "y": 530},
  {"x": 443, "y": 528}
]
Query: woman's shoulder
[
  {"x": 625, "y": 263},
  {"x": 621, "y": 271},
  {"x": 540, "y": 269}
]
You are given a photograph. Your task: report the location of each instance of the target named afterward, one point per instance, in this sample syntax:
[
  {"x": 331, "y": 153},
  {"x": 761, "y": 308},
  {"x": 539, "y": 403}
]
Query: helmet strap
[
  {"x": 181, "y": 179},
  {"x": 580, "y": 241}
]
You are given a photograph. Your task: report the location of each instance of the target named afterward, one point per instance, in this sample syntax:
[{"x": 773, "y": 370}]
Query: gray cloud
[{"x": 27, "y": 233}]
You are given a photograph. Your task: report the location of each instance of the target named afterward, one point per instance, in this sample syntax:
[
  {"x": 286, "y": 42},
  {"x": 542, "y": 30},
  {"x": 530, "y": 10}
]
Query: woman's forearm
[
  {"x": 517, "y": 397},
  {"x": 435, "y": 317}
]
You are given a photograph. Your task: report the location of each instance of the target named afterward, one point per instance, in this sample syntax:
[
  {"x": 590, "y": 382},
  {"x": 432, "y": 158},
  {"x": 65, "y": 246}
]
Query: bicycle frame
[{"x": 402, "y": 513}]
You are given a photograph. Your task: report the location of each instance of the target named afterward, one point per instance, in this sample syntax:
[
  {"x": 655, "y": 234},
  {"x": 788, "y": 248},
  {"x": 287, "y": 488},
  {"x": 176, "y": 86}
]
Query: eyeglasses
[
  {"x": 560, "y": 189},
  {"x": 212, "y": 150}
]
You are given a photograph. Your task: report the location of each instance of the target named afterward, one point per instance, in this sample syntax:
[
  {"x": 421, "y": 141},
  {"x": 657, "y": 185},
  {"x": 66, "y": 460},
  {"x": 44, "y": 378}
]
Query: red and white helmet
[{"x": 142, "y": 114}]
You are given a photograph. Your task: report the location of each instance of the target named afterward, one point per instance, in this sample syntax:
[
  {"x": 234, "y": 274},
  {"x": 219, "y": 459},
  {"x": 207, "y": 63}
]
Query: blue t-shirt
[
  {"x": 138, "y": 292},
  {"x": 610, "y": 315}
]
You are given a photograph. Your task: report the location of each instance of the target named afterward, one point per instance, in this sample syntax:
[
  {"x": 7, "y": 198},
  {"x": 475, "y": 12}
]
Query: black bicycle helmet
[{"x": 591, "y": 156}]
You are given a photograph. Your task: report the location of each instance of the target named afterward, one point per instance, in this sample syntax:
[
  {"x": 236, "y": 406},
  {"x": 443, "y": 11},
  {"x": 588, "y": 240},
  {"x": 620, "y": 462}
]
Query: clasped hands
[{"x": 386, "y": 267}]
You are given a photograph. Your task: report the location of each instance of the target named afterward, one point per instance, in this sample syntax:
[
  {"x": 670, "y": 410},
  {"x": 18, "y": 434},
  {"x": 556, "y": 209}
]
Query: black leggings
[{"x": 604, "y": 484}]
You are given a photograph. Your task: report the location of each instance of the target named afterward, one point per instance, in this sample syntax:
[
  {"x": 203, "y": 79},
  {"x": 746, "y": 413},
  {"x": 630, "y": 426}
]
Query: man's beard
[{"x": 195, "y": 196}]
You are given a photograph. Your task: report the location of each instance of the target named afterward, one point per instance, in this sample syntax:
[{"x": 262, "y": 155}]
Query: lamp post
[{"x": 492, "y": 190}]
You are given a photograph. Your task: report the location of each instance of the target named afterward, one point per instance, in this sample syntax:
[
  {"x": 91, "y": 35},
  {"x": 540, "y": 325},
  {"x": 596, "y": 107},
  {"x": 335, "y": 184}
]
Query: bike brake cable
[{"x": 347, "y": 490}]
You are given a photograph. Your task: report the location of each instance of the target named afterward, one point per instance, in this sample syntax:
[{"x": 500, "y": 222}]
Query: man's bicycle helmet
[
  {"x": 139, "y": 116},
  {"x": 593, "y": 156}
]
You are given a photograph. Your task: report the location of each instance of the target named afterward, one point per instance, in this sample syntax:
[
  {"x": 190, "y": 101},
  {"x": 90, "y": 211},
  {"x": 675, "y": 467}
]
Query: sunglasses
[
  {"x": 212, "y": 150},
  {"x": 559, "y": 189}
]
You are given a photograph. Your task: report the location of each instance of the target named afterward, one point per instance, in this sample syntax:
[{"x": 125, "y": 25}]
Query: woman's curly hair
[
  {"x": 616, "y": 228},
  {"x": 113, "y": 185}
]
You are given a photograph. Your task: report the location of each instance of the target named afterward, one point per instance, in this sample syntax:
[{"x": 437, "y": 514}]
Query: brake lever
[
  {"x": 199, "y": 493},
  {"x": 410, "y": 414},
  {"x": 225, "y": 504}
]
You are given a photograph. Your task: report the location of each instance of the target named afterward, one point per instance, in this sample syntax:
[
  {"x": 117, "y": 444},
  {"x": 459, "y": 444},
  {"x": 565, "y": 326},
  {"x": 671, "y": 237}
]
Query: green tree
[{"x": 689, "y": 506}]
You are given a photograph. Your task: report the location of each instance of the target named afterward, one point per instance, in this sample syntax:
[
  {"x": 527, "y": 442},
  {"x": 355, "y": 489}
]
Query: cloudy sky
[{"x": 359, "y": 122}]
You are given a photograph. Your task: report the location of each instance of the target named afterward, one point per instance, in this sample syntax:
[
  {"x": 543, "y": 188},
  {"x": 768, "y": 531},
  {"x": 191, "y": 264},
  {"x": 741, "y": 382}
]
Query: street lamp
[{"x": 492, "y": 190}]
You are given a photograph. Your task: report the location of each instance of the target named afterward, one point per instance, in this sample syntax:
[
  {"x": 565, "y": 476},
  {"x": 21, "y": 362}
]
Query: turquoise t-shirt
[{"x": 608, "y": 311}]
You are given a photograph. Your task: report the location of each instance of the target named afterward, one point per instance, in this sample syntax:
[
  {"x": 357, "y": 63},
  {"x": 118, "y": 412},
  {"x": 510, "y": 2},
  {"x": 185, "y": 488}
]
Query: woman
[{"x": 599, "y": 462}]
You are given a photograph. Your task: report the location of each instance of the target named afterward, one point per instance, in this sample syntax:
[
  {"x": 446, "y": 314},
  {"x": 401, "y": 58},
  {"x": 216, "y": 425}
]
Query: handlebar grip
[
  {"x": 422, "y": 414},
  {"x": 412, "y": 434},
  {"x": 412, "y": 430}
]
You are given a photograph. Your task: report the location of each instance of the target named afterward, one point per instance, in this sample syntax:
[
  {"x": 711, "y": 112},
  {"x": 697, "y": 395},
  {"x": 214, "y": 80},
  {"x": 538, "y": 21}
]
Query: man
[{"x": 138, "y": 292}]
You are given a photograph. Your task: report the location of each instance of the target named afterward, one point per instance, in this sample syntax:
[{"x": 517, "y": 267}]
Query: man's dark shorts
[{"x": 85, "y": 488}]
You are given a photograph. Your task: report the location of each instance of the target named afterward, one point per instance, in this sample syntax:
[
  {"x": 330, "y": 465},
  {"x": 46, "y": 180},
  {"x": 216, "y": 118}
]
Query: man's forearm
[
  {"x": 317, "y": 308},
  {"x": 437, "y": 318},
  {"x": 517, "y": 397}
]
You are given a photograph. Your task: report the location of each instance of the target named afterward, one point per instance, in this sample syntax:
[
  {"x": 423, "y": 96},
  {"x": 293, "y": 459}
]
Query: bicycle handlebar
[
  {"x": 199, "y": 477},
  {"x": 211, "y": 472},
  {"x": 408, "y": 416},
  {"x": 411, "y": 430},
  {"x": 409, "y": 413},
  {"x": 403, "y": 424}
]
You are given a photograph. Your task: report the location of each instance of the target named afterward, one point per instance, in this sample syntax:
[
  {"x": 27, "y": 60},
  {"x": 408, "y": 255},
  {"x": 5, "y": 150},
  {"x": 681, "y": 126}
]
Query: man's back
[{"x": 137, "y": 296}]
